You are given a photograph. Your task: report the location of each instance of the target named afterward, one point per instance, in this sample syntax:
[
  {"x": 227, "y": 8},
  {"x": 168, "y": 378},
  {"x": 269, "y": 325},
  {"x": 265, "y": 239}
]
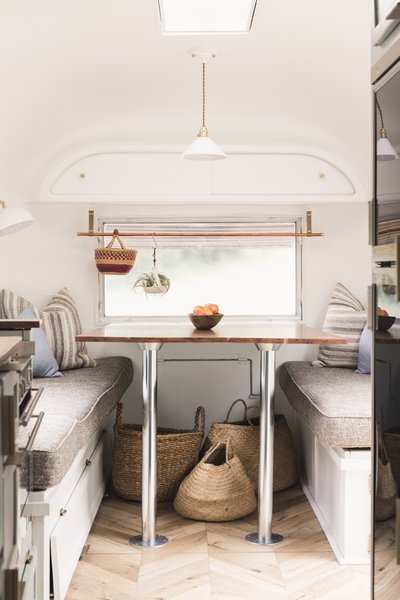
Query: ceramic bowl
[
  {"x": 385, "y": 323},
  {"x": 205, "y": 321}
]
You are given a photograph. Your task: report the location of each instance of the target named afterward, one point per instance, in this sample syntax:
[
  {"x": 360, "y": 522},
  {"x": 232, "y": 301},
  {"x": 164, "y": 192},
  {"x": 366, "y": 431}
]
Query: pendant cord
[
  {"x": 204, "y": 94},
  {"x": 380, "y": 112}
]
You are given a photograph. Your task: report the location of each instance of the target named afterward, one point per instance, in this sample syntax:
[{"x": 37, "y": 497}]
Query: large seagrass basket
[
  {"x": 392, "y": 445},
  {"x": 177, "y": 453},
  {"x": 245, "y": 438},
  {"x": 217, "y": 489}
]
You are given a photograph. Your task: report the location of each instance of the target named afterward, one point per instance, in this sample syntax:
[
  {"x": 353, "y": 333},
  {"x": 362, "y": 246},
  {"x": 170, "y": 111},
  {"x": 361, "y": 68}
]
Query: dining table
[{"x": 268, "y": 336}]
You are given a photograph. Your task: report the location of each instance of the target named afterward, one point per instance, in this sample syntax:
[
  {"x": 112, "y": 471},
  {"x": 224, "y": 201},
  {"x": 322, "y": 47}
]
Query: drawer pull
[
  {"x": 88, "y": 462},
  {"x": 63, "y": 511}
]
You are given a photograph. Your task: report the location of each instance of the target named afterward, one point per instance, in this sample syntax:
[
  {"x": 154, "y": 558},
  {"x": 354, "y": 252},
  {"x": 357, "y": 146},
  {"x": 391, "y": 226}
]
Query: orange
[{"x": 214, "y": 308}]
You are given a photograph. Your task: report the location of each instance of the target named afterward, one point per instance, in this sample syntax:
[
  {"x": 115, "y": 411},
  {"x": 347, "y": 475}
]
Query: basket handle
[
  {"x": 232, "y": 405},
  {"x": 246, "y": 416},
  {"x": 118, "y": 416},
  {"x": 383, "y": 455},
  {"x": 115, "y": 237},
  {"x": 200, "y": 420},
  {"x": 229, "y": 453}
]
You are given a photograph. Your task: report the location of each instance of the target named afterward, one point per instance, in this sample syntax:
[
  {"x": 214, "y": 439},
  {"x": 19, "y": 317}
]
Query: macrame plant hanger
[{"x": 154, "y": 282}]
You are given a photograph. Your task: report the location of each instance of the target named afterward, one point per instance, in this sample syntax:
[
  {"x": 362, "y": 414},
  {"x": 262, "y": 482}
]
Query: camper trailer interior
[{"x": 199, "y": 300}]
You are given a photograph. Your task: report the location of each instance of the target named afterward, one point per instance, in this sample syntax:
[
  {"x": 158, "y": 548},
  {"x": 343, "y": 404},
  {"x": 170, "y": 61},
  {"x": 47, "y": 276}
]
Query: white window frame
[{"x": 102, "y": 221}]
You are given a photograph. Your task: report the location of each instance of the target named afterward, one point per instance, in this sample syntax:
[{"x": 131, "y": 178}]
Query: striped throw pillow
[
  {"x": 60, "y": 322},
  {"x": 345, "y": 317},
  {"x": 12, "y": 305}
]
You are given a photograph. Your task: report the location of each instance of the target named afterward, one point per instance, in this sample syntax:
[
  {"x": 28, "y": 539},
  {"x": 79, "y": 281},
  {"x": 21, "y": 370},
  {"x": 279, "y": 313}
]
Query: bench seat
[
  {"x": 75, "y": 406},
  {"x": 329, "y": 411},
  {"x": 334, "y": 402}
]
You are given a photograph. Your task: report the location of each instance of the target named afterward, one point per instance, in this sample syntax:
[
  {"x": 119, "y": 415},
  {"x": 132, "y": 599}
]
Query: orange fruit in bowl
[
  {"x": 213, "y": 307},
  {"x": 201, "y": 310},
  {"x": 382, "y": 312}
]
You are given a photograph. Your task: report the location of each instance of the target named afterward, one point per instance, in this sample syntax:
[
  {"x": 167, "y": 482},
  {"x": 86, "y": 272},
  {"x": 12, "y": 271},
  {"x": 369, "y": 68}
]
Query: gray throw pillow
[
  {"x": 43, "y": 362},
  {"x": 364, "y": 352}
]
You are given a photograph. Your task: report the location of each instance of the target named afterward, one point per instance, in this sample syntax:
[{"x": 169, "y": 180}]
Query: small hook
[{"x": 154, "y": 250}]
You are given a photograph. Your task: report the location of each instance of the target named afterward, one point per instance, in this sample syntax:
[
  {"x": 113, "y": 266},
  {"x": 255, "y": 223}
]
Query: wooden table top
[
  {"x": 8, "y": 345},
  {"x": 243, "y": 332},
  {"x": 12, "y": 324}
]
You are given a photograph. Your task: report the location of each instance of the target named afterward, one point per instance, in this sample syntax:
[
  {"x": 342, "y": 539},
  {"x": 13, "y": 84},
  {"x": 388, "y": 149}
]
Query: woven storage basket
[
  {"x": 386, "y": 489},
  {"x": 217, "y": 489},
  {"x": 245, "y": 438},
  {"x": 177, "y": 454},
  {"x": 115, "y": 261},
  {"x": 392, "y": 445}
]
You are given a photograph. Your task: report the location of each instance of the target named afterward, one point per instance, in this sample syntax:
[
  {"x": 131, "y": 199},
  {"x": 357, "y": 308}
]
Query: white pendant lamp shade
[
  {"x": 13, "y": 219},
  {"x": 384, "y": 149},
  {"x": 203, "y": 148}
]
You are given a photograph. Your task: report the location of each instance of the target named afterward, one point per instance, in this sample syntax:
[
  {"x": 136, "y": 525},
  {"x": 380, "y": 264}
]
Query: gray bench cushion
[
  {"x": 334, "y": 402},
  {"x": 75, "y": 405}
]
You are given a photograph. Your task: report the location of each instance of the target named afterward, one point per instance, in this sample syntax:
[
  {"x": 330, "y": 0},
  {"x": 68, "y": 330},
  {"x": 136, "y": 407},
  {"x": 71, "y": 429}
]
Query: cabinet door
[{"x": 386, "y": 363}]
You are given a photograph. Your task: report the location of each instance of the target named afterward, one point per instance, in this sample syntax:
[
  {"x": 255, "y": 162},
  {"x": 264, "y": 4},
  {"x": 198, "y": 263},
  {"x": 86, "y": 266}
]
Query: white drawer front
[{"x": 70, "y": 532}]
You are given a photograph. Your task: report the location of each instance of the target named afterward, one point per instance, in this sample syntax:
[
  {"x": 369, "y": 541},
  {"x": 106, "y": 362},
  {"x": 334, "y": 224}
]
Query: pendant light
[
  {"x": 13, "y": 219},
  {"x": 203, "y": 148},
  {"x": 384, "y": 149}
]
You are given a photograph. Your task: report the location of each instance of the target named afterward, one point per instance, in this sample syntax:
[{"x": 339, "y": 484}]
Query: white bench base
[
  {"x": 336, "y": 482},
  {"x": 63, "y": 515}
]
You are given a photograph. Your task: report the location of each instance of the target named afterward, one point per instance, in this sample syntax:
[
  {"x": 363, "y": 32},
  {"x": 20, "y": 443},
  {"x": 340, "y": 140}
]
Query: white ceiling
[{"x": 79, "y": 73}]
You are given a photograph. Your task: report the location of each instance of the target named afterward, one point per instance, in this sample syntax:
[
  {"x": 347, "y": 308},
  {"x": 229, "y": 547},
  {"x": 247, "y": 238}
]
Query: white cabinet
[{"x": 17, "y": 554}]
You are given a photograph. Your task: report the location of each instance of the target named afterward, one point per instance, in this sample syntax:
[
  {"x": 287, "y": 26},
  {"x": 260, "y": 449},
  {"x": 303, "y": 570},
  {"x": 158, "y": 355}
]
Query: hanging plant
[{"x": 154, "y": 282}]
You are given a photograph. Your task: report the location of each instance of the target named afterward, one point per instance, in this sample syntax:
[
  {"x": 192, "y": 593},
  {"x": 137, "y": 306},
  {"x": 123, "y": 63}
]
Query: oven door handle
[
  {"x": 32, "y": 437},
  {"x": 27, "y": 414}
]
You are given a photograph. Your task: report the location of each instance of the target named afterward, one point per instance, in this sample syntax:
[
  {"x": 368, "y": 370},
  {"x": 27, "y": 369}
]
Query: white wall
[{"x": 38, "y": 261}]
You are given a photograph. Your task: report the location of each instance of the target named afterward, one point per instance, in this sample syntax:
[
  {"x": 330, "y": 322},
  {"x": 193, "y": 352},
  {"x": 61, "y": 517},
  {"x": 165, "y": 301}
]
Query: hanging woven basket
[{"x": 115, "y": 261}]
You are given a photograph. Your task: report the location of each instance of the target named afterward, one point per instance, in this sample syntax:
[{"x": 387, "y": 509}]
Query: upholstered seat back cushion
[
  {"x": 335, "y": 403},
  {"x": 345, "y": 317},
  {"x": 60, "y": 322}
]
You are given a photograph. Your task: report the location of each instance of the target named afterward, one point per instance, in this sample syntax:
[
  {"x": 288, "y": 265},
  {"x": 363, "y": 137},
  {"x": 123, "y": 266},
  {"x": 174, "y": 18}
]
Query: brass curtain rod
[
  {"x": 194, "y": 234},
  {"x": 92, "y": 233}
]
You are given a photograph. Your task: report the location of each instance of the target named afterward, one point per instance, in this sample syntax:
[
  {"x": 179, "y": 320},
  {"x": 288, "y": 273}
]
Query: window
[{"x": 246, "y": 275}]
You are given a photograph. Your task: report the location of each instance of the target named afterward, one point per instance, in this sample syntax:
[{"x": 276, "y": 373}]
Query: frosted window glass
[{"x": 257, "y": 279}]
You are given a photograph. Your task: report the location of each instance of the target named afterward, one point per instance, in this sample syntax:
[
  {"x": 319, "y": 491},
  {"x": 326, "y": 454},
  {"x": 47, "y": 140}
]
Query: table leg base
[
  {"x": 254, "y": 538},
  {"x": 138, "y": 540}
]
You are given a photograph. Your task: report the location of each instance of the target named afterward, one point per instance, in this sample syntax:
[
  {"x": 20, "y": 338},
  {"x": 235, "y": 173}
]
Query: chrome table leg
[
  {"x": 149, "y": 538},
  {"x": 264, "y": 533}
]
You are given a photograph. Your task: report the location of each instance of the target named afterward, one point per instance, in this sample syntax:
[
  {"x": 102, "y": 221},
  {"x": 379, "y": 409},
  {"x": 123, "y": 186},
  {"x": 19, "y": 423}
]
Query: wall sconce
[
  {"x": 13, "y": 219},
  {"x": 384, "y": 149},
  {"x": 203, "y": 148}
]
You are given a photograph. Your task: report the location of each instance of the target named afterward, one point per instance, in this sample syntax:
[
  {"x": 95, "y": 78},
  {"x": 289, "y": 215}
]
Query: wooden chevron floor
[{"x": 212, "y": 561}]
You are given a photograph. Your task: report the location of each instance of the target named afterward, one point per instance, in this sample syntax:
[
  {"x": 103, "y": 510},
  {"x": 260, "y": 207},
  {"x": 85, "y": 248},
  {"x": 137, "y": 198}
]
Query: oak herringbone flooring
[{"x": 212, "y": 561}]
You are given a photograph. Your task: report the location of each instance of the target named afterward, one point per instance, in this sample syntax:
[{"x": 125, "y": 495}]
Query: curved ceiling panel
[{"x": 164, "y": 177}]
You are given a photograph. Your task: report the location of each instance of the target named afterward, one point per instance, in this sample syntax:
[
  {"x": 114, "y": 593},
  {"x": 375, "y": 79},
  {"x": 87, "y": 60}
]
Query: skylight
[{"x": 206, "y": 16}]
